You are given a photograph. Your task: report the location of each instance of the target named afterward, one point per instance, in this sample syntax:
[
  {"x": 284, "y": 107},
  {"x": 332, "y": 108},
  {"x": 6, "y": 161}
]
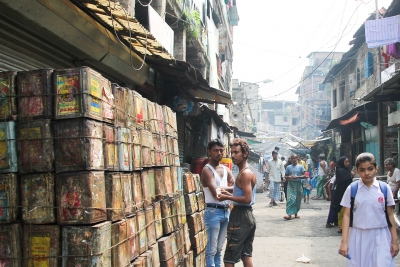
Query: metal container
[
  {"x": 114, "y": 201},
  {"x": 141, "y": 222},
  {"x": 155, "y": 255},
  {"x": 8, "y": 198},
  {"x": 187, "y": 237},
  {"x": 35, "y": 99},
  {"x": 127, "y": 194},
  {"x": 198, "y": 244},
  {"x": 151, "y": 230},
  {"x": 133, "y": 235},
  {"x": 8, "y": 149},
  {"x": 108, "y": 100},
  {"x": 151, "y": 179},
  {"x": 145, "y": 114},
  {"x": 137, "y": 156},
  {"x": 194, "y": 222},
  {"x": 200, "y": 260},
  {"x": 188, "y": 183},
  {"x": 139, "y": 262},
  {"x": 144, "y": 177},
  {"x": 124, "y": 141},
  {"x": 160, "y": 119},
  {"x": 197, "y": 183},
  {"x": 159, "y": 158},
  {"x": 146, "y": 138},
  {"x": 200, "y": 201},
  {"x": 120, "y": 252},
  {"x": 174, "y": 179},
  {"x": 41, "y": 245},
  {"x": 179, "y": 174},
  {"x": 38, "y": 198},
  {"x": 10, "y": 245},
  {"x": 137, "y": 190},
  {"x": 35, "y": 146},
  {"x": 86, "y": 245},
  {"x": 174, "y": 212},
  {"x": 78, "y": 94},
  {"x": 148, "y": 258},
  {"x": 191, "y": 203},
  {"x": 159, "y": 182},
  {"x": 166, "y": 251},
  {"x": 78, "y": 145},
  {"x": 174, "y": 248},
  {"x": 129, "y": 109},
  {"x": 153, "y": 157},
  {"x": 182, "y": 211},
  {"x": 158, "y": 219},
  {"x": 168, "y": 183},
  {"x": 152, "y": 116},
  {"x": 81, "y": 197},
  {"x": 110, "y": 148},
  {"x": 180, "y": 243},
  {"x": 8, "y": 107},
  {"x": 119, "y": 101},
  {"x": 168, "y": 226},
  {"x": 146, "y": 157}
]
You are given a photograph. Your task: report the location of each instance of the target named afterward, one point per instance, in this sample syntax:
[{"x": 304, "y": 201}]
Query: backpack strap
[
  {"x": 353, "y": 193},
  {"x": 383, "y": 188}
]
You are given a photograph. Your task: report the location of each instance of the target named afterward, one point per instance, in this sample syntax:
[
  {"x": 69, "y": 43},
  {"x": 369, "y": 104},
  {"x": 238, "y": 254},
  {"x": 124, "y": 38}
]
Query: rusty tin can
[
  {"x": 182, "y": 211},
  {"x": 180, "y": 242},
  {"x": 187, "y": 237},
  {"x": 8, "y": 197},
  {"x": 174, "y": 179},
  {"x": 129, "y": 109},
  {"x": 195, "y": 223},
  {"x": 8, "y": 148},
  {"x": 124, "y": 141},
  {"x": 158, "y": 219},
  {"x": 191, "y": 203},
  {"x": 35, "y": 146},
  {"x": 110, "y": 148},
  {"x": 155, "y": 256},
  {"x": 10, "y": 245},
  {"x": 137, "y": 156},
  {"x": 78, "y": 145},
  {"x": 35, "y": 99},
  {"x": 179, "y": 174},
  {"x": 133, "y": 235},
  {"x": 167, "y": 224},
  {"x": 139, "y": 262},
  {"x": 145, "y": 114},
  {"x": 166, "y": 251},
  {"x": 159, "y": 182},
  {"x": 138, "y": 105},
  {"x": 174, "y": 212},
  {"x": 78, "y": 94},
  {"x": 200, "y": 201},
  {"x": 41, "y": 245},
  {"x": 147, "y": 255},
  {"x": 108, "y": 100},
  {"x": 197, "y": 183},
  {"x": 146, "y": 157},
  {"x": 120, "y": 252},
  {"x": 114, "y": 201},
  {"x": 188, "y": 183},
  {"x": 137, "y": 190},
  {"x": 151, "y": 179},
  {"x": 119, "y": 102},
  {"x": 160, "y": 119},
  {"x": 151, "y": 116},
  {"x": 175, "y": 248},
  {"x": 127, "y": 197},
  {"x": 144, "y": 177},
  {"x": 38, "y": 198},
  {"x": 151, "y": 230},
  {"x": 86, "y": 245},
  {"x": 167, "y": 181},
  {"x": 81, "y": 197},
  {"x": 141, "y": 222},
  {"x": 8, "y": 107}
]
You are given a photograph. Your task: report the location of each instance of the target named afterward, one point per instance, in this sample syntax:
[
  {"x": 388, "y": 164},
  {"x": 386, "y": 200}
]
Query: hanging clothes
[
  {"x": 382, "y": 32},
  {"x": 393, "y": 50},
  {"x": 386, "y": 58}
]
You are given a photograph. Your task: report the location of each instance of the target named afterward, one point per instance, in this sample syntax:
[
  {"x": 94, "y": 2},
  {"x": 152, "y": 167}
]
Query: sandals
[
  {"x": 297, "y": 217},
  {"x": 287, "y": 218}
]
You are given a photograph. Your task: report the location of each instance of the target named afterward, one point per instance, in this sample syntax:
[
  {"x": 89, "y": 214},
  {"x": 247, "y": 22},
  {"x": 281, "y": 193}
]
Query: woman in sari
[{"x": 294, "y": 173}]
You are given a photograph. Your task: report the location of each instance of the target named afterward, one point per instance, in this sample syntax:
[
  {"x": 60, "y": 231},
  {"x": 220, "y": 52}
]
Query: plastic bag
[{"x": 303, "y": 259}]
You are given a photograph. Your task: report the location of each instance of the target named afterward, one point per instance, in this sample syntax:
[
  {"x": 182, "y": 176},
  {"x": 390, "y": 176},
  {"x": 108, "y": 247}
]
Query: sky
[{"x": 274, "y": 38}]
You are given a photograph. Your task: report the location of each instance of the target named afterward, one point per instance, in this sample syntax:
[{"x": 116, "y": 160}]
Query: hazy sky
[{"x": 274, "y": 37}]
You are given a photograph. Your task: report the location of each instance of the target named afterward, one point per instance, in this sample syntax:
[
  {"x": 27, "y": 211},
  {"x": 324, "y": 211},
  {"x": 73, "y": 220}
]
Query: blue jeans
[{"x": 216, "y": 223}]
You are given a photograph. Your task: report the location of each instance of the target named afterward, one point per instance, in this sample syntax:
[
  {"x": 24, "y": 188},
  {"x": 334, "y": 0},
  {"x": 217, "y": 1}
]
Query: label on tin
[
  {"x": 3, "y": 149},
  {"x": 40, "y": 250},
  {"x": 68, "y": 89},
  {"x": 4, "y": 202},
  {"x": 71, "y": 200}
]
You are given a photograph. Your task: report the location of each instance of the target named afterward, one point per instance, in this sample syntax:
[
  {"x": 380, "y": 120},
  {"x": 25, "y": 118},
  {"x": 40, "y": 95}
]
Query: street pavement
[{"x": 278, "y": 243}]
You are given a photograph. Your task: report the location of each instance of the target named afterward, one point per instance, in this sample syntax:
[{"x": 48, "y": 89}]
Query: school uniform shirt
[{"x": 369, "y": 205}]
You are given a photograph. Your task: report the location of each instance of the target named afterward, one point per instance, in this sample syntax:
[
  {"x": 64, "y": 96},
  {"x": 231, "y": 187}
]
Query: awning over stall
[{"x": 387, "y": 91}]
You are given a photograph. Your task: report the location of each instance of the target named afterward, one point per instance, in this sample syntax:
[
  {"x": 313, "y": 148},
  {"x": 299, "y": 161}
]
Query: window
[
  {"x": 358, "y": 74},
  {"x": 334, "y": 98},
  {"x": 321, "y": 86},
  {"x": 295, "y": 121},
  {"x": 368, "y": 65},
  {"x": 342, "y": 87}
]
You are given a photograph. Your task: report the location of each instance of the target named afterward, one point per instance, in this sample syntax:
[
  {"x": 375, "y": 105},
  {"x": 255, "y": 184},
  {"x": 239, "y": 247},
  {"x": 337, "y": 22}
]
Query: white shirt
[
  {"x": 320, "y": 170},
  {"x": 220, "y": 181},
  {"x": 332, "y": 182},
  {"x": 369, "y": 205},
  {"x": 394, "y": 179},
  {"x": 275, "y": 170}
]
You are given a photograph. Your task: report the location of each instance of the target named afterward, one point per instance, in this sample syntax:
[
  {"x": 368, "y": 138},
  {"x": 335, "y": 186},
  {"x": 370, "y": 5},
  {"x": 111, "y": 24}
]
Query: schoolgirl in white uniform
[{"x": 369, "y": 242}]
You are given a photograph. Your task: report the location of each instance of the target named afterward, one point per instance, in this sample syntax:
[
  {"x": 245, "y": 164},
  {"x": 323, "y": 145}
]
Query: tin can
[
  {"x": 133, "y": 233},
  {"x": 78, "y": 145},
  {"x": 200, "y": 201},
  {"x": 166, "y": 251},
  {"x": 155, "y": 256},
  {"x": 159, "y": 182},
  {"x": 8, "y": 149},
  {"x": 197, "y": 183},
  {"x": 119, "y": 102},
  {"x": 8, "y": 107},
  {"x": 174, "y": 248},
  {"x": 130, "y": 109},
  {"x": 10, "y": 245},
  {"x": 158, "y": 219},
  {"x": 151, "y": 179},
  {"x": 8, "y": 198},
  {"x": 198, "y": 244},
  {"x": 167, "y": 180},
  {"x": 81, "y": 197},
  {"x": 35, "y": 100},
  {"x": 110, "y": 148},
  {"x": 139, "y": 262},
  {"x": 159, "y": 158},
  {"x": 187, "y": 237},
  {"x": 152, "y": 116},
  {"x": 151, "y": 230},
  {"x": 188, "y": 183},
  {"x": 195, "y": 223},
  {"x": 108, "y": 100},
  {"x": 78, "y": 94},
  {"x": 38, "y": 198},
  {"x": 137, "y": 190},
  {"x": 144, "y": 177},
  {"x": 174, "y": 212},
  {"x": 200, "y": 259},
  {"x": 156, "y": 142},
  {"x": 160, "y": 119},
  {"x": 167, "y": 224},
  {"x": 180, "y": 243},
  {"x": 145, "y": 114},
  {"x": 174, "y": 179},
  {"x": 147, "y": 255},
  {"x": 141, "y": 222},
  {"x": 182, "y": 211},
  {"x": 146, "y": 157},
  {"x": 153, "y": 157},
  {"x": 191, "y": 203},
  {"x": 138, "y": 104},
  {"x": 120, "y": 253},
  {"x": 114, "y": 201},
  {"x": 41, "y": 245},
  {"x": 124, "y": 141},
  {"x": 127, "y": 194},
  {"x": 35, "y": 146},
  {"x": 86, "y": 245},
  {"x": 137, "y": 156},
  {"x": 179, "y": 174}
]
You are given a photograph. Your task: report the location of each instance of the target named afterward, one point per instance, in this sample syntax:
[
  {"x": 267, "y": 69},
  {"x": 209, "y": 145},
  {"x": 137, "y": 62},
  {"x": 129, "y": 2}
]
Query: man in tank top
[
  {"x": 214, "y": 178},
  {"x": 242, "y": 224},
  {"x": 322, "y": 174}
]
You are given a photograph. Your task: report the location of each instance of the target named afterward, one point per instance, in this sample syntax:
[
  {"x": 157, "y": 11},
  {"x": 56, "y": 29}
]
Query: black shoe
[{"x": 274, "y": 204}]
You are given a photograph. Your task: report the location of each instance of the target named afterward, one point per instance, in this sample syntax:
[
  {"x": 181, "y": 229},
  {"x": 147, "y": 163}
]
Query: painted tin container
[
  {"x": 144, "y": 177},
  {"x": 174, "y": 212},
  {"x": 127, "y": 197},
  {"x": 119, "y": 102},
  {"x": 107, "y": 98},
  {"x": 167, "y": 224},
  {"x": 147, "y": 255},
  {"x": 180, "y": 243},
  {"x": 177, "y": 161},
  {"x": 167, "y": 180},
  {"x": 145, "y": 114},
  {"x": 174, "y": 179},
  {"x": 198, "y": 244},
  {"x": 200, "y": 200},
  {"x": 151, "y": 179},
  {"x": 187, "y": 237},
  {"x": 178, "y": 210},
  {"x": 120, "y": 254},
  {"x": 35, "y": 146},
  {"x": 138, "y": 104},
  {"x": 8, "y": 107},
  {"x": 8, "y": 148},
  {"x": 35, "y": 99},
  {"x": 159, "y": 182},
  {"x": 81, "y": 197},
  {"x": 152, "y": 116},
  {"x": 151, "y": 230},
  {"x": 41, "y": 245},
  {"x": 130, "y": 109},
  {"x": 114, "y": 201},
  {"x": 141, "y": 222},
  {"x": 78, "y": 94},
  {"x": 165, "y": 251},
  {"x": 194, "y": 222},
  {"x": 137, "y": 190},
  {"x": 188, "y": 183},
  {"x": 174, "y": 248},
  {"x": 159, "y": 158},
  {"x": 160, "y": 119},
  {"x": 155, "y": 255},
  {"x": 38, "y": 198},
  {"x": 153, "y": 157},
  {"x": 110, "y": 148},
  {"x": 124, "y": 141},
  {"x": 10, "y": 245},
  {"x": 133, "y": 235},
  {"x": 179, "y": 174},
  {"x": 8, "y": 198},
  {"x": 158, "y": 219},
  {"x": 182, "y": 211},
  {"x": 146, "y": 157},
  {"x": 197, "y": 183},
  {"x": 199, "y": 260},
  {"x": 139, "y": 262},
  {"x": 78, "y": 145},
  {"x": 191, "y": 203},
  {"x": 137, "y": 157},
  {"x": 86, "y": 245}
]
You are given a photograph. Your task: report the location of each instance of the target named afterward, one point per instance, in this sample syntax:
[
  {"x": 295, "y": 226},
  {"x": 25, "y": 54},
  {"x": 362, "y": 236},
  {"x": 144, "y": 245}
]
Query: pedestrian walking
[
  {"x": 275, "y": 172},
  {"x": 333, "y": 214},
  {"x": 393, "y": 176},
  {"x": 369, "y": 238},
  {"x": 332, "y": 166},
  {"x": 310, "y": 165},
  {"x": 322, "y": 174},
  {"x": 242, "y": 225},
  {"x": 215, "y": 177},
  {"x": 285, "y": 181},
  {"x": 305, "y": 183},
  {"x": 294, "y": 173}
]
